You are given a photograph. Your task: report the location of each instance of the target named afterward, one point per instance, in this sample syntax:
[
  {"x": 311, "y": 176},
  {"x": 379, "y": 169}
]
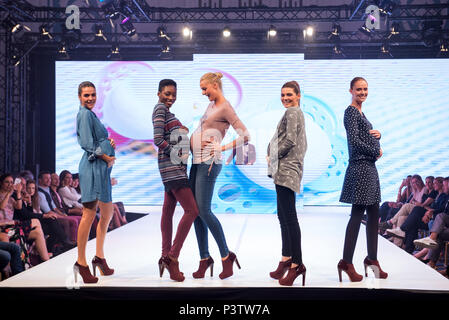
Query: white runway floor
[{"x": 133, "y": 251}]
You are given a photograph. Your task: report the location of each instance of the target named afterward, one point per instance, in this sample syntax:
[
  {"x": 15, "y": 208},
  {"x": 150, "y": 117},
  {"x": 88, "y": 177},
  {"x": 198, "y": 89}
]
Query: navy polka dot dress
[{"x": 361, "y": 184}]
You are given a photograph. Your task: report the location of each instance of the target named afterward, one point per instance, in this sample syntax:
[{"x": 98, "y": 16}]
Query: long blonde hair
[{"x": 213, "y": 77}]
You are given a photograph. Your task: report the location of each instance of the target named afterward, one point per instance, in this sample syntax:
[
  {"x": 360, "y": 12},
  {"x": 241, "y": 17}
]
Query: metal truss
[
  {"x": 13, "y": 102},
  {"x": 144, "y": 13}
]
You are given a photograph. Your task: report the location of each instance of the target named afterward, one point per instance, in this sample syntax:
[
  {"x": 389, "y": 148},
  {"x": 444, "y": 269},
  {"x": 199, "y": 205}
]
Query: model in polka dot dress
[{"x": 361, "y": 185}]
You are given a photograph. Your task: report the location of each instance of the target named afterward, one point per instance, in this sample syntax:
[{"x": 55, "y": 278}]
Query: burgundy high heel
[
  {"x": 292, "y": 274},
  {"x": 350, "y": 271},
  {"x": 227, "y": 265},
  {"x": 204, "y": 265},
  {"x": 84, "y": 272},
  {"x": 281, "y": 269},
  {"x": 102, "y": 265},
  {"x": 374, "y": 265},
  {"x": 173, "y": 268}
]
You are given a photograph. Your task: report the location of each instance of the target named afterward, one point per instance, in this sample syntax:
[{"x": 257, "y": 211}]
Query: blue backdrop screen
[{"x": 408, "y": 103}]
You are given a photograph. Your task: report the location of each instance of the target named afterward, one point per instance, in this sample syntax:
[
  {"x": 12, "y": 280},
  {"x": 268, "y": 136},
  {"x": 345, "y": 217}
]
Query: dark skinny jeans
[{"x": 288, "y": 219}]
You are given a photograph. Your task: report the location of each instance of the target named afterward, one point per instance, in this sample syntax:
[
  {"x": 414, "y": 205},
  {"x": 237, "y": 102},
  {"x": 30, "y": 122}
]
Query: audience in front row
[
  {"x": 23, "y": 232},
  {"x": 431, "y": 214},
  {"x": 42, "y": 219}
]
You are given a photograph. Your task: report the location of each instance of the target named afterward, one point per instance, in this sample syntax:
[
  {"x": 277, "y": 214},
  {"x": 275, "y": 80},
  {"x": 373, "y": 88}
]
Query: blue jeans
[
  {"x": 202, "y": 183},
  {"x": 10, "y": 253}
]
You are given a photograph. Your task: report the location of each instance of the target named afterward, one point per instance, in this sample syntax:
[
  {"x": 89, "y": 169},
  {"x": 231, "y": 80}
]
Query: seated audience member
[
  {"x": 54, "y": 190},
  {"x": 10, "y": 253},
  {"x": 57, "y": 240},
  {"x": 421, "y": 216},
  {"x": 69, "y": 196},
  {"x": 47, "y": 204},
  {"x": 439, "y": 233},
  {"x": 76, "y": 182},
  {"x": 418, "y": 199},
  {"x": 28, "y": 230},
  {"x": 389, "y": 208}
]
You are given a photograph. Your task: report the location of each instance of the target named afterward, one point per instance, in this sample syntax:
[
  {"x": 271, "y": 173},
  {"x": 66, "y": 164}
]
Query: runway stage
[{"x": 134, "y": 249}]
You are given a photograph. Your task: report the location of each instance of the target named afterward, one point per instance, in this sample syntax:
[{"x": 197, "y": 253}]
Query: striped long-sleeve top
[{"x": 170, "y": 136}]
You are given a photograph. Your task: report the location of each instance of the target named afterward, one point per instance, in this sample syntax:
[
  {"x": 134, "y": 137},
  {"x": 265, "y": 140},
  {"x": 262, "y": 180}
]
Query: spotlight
[
  {"x": 110, "y": 9},
  {"x": 431, "y": 33},
  {"x": 308, "y": 32},
  {"x": 336, "y": 31},
  {"x": 226, "y": 32},
  {"x": 44, "y": 32},
  {"x": 187, "y": 32},
  {"x": 444, "y": 49},
  {"x": 115, "y": 52},
  {"x": 17, "y": 29},
  {"x": 271, "y": 32},
  {"x": 385, "y": 51},
  {"x": 165, "y": 53},
  {"x": 99, "y": 32},
  {"x": 162, "y": 34},
  {"x": 128, "y": 27},
  {"x": 367, "y": 31},
  {"x": 16, "y": 57},
  {"x": 62, "y": 52}
]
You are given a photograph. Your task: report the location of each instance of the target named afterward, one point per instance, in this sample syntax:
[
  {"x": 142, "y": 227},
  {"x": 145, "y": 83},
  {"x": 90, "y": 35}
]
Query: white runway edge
[{"x": 134, "y": 250}]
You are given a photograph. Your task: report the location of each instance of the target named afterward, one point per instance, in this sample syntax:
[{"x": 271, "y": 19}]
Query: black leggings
[
  {"x": 352, "y": 231},
  {"x": 290, "y": 232}
]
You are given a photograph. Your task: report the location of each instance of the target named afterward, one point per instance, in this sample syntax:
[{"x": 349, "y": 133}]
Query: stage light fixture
[
  {"x": 115, "y": 53},
  {"x": 44, "y": 32},
  {"x": 16, "y": 28},
  {"x": 99, "y": 32},
  {"x": 226, "y": 32},
  {"x": 272, "y": 32},
  {"x": 127, "y": 27},
  {"x": 385, "y": 51},
  {"x": 394, "y": 32},
  {"x": 62, "y": 52},
  {"x": 337, "y": 52},
  {"x": 162, "y": 34},
  {"x": 366, "y": 31},
  {"x": 187, "y": 32},
  {"x": 444, "y": 49},
  {"x": 111, "y": 10},
  {"x": 308, "y": 32},
  {"x": 165, "y": 53},
  {"x": 336, "y": 32}
]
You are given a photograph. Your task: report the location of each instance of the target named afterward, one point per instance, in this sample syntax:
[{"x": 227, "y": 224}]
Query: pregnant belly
[{"x": 106, "y": 147}]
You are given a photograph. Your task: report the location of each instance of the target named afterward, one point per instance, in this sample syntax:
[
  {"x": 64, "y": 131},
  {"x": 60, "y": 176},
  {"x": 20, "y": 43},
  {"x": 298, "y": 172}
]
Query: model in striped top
[{"x": 170, "y": 136}]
